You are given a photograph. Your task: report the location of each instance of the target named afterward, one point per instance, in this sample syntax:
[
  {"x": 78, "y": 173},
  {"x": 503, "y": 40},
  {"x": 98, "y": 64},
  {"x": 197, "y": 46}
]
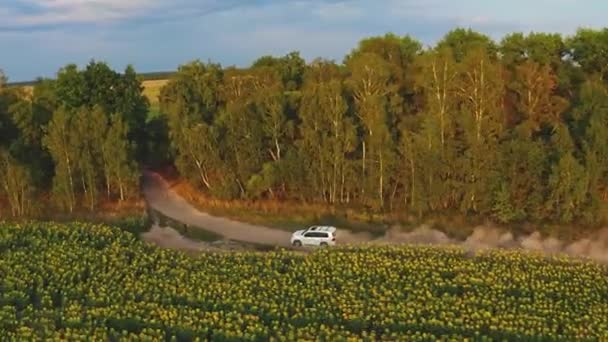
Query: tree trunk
[
  {"x": 392, "y": 197},
  {"x": 92, "y": 192},
  {"x": 201, "y": 173},
  {"x": 71, "y": 186},
  {"x": 343, "y": 181},
  {"x": 276, "y": 144},
  {"x": 121, "y": 188},
  {"x": 364, "y": 157},
  {"x": 413, "y": 185},
  {"x": 272, "y": 154},
  {"x": 363, "y": 173},
  {"x": 381, "y": 192},
  {"x": 108, "y": 186},
  {"x": 240, "y": 187},
  {"x": 84, "y": 187},
  {"x": 333, "y": 182}
]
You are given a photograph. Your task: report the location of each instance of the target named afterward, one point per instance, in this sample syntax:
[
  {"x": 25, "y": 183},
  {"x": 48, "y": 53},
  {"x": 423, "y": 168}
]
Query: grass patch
[
  {"x": 136, "y": 225},
  {"x": 198, "y": 234}
]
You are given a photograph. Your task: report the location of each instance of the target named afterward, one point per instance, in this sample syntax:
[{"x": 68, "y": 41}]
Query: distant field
[{"x": 151, "y": 91}]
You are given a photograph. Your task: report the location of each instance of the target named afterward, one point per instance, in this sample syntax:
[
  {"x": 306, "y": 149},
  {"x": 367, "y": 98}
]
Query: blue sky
[{"x": 37, "y": 37}]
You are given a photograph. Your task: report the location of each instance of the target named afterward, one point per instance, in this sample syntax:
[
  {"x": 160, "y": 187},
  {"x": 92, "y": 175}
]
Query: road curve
[{"x": 161, "y": 198}]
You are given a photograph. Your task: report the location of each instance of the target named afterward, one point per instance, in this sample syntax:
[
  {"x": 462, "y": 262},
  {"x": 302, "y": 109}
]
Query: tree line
[
  {"x": 77, "y": 137},
  {"x": 515, "y": 130}
]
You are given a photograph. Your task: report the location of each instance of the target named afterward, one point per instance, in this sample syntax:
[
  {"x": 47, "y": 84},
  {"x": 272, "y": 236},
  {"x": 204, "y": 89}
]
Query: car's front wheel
[
  {"x": 297, "y": 243},
  {"x": 324, "y": 244}
]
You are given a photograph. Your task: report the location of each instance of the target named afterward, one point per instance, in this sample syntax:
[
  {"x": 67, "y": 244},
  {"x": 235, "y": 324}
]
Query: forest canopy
[{"x": 514, "y": 130}]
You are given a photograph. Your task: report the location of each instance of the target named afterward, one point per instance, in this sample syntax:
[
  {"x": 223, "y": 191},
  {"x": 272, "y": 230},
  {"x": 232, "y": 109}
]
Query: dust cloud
[{"x": 593, "y": 247}]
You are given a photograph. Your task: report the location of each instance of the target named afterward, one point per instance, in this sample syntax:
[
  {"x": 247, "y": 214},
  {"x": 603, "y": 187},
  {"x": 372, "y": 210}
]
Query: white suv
[{"x": 314, "y": 236}]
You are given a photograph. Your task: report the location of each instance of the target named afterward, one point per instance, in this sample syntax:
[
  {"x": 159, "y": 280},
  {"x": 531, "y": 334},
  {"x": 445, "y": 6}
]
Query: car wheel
[
  {"x": 324, "y": 244},
  {"x": 297, "y": 243}
]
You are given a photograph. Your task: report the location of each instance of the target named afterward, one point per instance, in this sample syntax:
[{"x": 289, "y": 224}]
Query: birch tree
[
  {"x": 371, "y": 85},
  {"x": 61, "y": 145},
  {"x": 481, "y": 91},
  {"x": 119, "y": 153},
  {"x": 16, "y": 184},
  {"x": 243, "y": 148},
  {"x": 326, "y": 123},
  {"x": 191, "y": 102}
]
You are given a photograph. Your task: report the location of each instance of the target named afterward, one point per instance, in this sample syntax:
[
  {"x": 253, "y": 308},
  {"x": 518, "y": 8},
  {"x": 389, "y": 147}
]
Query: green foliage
[
  {"x": 515, "y": 131},
  {"x": 588, "y": 48},
  {"x": 99, "y": 85},
  {"x": 190, "y": 101},
  {"x": 121, "y": 170},
  {"x": 16, "y": 184},
  {"x": 468, "y": 125},
  {"x": 325, "y": 122},
  {"x": 461, "y": 40},
  {"x": 87, "y": 147},
  {"x": 503, "y": 208},
  {"x": 133, "y": 224},
  {"x": 290, "y": 67},
  {"x": 157, "y": 142},
  {"x": 28, "y": 117},
  {"x": 542, "y": 48},
  {"x": 62, "y": 148},
  {"x": 524, "y": 166},
  {"x": 94, "y": 282}
]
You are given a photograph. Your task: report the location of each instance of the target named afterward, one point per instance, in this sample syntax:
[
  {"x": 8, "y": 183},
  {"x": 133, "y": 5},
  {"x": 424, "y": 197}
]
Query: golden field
[{"x": 151, "y": 90}]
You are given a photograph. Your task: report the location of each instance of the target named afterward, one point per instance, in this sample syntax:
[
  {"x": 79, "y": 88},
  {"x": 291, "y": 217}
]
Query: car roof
[{"x": 328, "y": 229}]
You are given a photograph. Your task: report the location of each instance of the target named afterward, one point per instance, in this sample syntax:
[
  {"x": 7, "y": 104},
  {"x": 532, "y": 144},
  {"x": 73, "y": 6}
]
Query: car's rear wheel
[
  {"x": 324, "y": 244},
  {"x": 297, "y": 243}
]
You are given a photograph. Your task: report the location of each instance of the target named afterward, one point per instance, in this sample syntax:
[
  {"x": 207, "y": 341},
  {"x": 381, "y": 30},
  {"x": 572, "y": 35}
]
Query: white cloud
[
  {"x": 338, "y": 11},
  {"x": 54, "y": 12},
  {"x": 413, "y": 8},
  {"x": 30, "y": 13}
]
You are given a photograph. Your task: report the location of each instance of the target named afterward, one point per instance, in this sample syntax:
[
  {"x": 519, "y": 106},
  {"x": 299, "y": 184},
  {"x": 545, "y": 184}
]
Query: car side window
[{"x": 315, "y": 235}]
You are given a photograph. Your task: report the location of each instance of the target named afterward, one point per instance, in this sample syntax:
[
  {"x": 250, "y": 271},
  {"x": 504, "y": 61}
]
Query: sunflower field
[{"x": 88, "y": 282}]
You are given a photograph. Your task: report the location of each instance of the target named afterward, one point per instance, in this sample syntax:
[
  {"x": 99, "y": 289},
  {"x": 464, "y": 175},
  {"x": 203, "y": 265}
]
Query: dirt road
[{"x": 164, "y": 200}]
